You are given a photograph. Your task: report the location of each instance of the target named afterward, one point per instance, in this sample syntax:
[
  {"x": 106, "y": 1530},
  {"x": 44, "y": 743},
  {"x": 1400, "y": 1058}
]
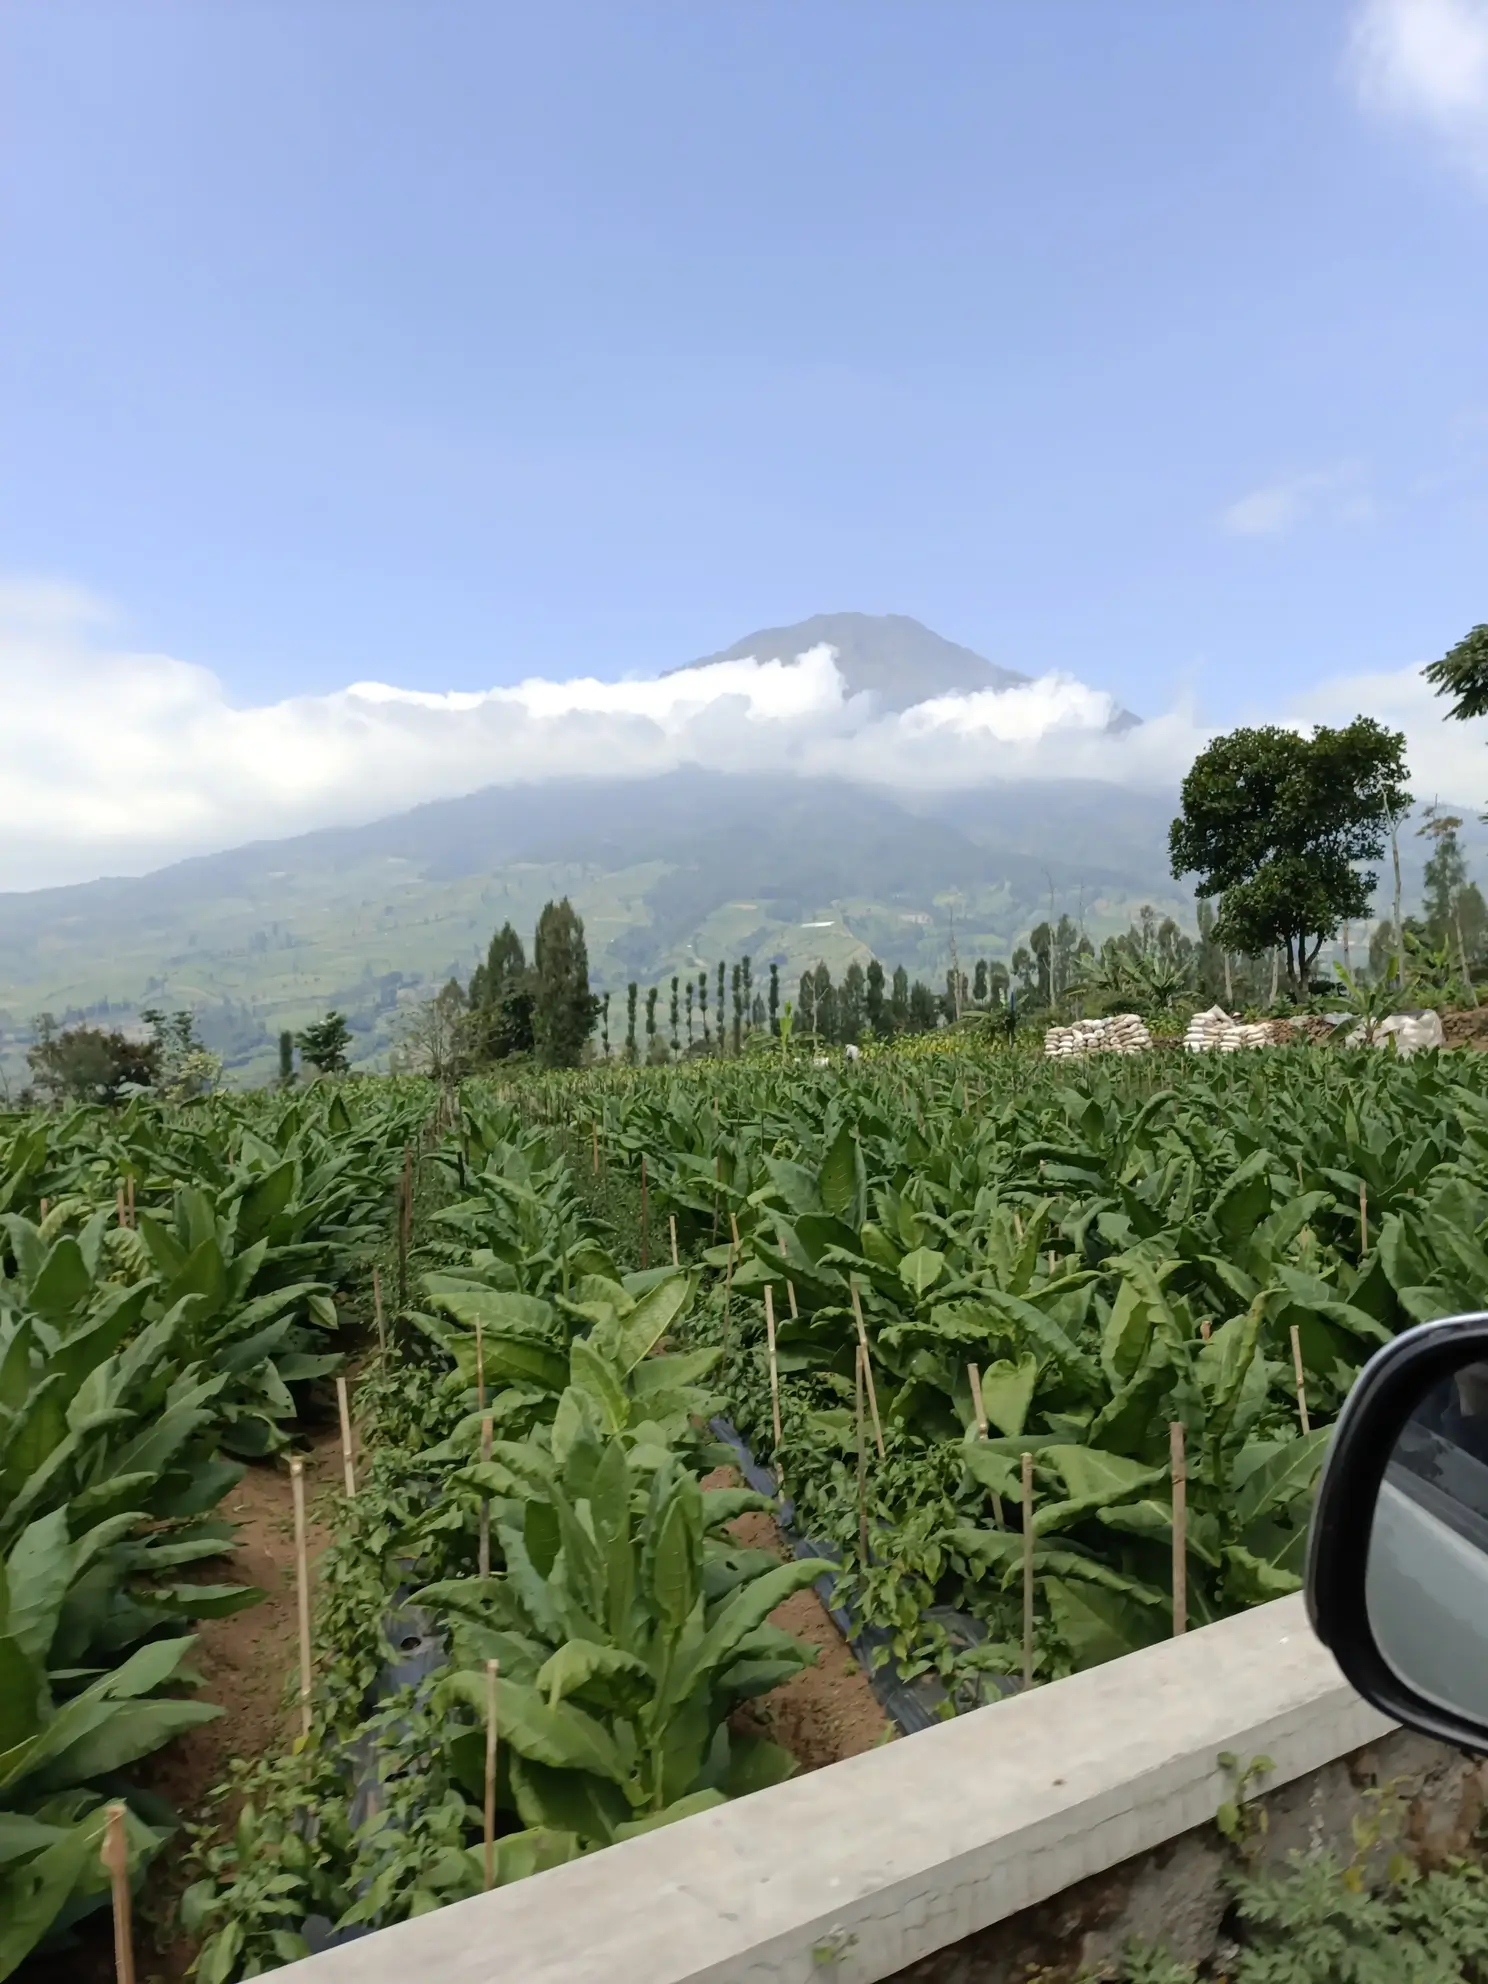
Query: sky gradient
[{"x": 450, "y": 344}]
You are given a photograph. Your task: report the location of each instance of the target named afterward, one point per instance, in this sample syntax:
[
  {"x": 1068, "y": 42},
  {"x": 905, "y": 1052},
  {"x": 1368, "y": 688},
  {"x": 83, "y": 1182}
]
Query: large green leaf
[
  {"x": 1283, "y": 1477},
  {"x": 21, "y": 1685},
  {"x": 34, "y": 1893},
  {"x": 1007, "y": 1393},
  {"x": 1098, "y": 1625}
]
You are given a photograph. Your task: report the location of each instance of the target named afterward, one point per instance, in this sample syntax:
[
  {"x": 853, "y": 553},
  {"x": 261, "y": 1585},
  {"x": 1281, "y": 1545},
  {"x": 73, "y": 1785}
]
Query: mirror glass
[{"x": 1426, "y": 1577}]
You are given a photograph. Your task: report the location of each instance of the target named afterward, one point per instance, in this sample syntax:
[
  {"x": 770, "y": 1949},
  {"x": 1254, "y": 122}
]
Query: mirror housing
[{"x": 1397, "y": 1569}]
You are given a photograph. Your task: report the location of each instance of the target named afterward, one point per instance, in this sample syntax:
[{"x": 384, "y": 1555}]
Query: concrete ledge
[{"x": 862, "y": 1870}]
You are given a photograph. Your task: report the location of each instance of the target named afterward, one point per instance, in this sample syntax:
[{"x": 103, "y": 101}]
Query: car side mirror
[{"x": 1397, "y": 1571}]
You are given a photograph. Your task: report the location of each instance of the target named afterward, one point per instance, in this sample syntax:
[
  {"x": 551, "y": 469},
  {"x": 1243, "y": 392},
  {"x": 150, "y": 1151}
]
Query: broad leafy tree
[
  {"x": 1273, "y": 824},
  {"x": 325, "y": 1044}
]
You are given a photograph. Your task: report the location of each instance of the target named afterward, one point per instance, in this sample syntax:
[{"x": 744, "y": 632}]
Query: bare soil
[{"x": 829, "y": 1711}]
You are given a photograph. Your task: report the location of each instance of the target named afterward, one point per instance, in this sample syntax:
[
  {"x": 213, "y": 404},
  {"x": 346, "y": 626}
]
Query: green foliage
[
  {"x": 1274, "y": 824},
  {"x": 87, "y": 1064},
  {"x": 1462, "y": 675},
  {"x": 325, "y": 1043}
]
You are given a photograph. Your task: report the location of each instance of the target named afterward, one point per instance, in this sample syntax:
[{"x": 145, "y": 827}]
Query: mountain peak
[{"x": 888, "y": 655}]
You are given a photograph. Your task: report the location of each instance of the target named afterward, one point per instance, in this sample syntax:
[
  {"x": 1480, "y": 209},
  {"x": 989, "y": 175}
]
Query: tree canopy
[
  {"x": 563, "y": 1007},
  {"x": 1273, "y": 823},
  {"x": 1462, "y": 674}
]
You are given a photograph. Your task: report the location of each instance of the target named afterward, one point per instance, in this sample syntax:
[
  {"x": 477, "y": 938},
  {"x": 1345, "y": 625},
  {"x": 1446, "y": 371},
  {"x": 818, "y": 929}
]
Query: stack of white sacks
[
  {"x": 1216, "y": 1032},
  {"x": 1122, "y": 1033}
]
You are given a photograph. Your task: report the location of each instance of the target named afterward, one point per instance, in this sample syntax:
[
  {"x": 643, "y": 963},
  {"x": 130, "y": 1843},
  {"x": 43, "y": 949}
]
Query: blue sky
[{"x": 445, "y": 344}]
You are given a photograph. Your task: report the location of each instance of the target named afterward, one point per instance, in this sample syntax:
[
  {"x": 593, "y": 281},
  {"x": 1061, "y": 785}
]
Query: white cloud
[
  {"x": 1337, "y": 494},
  {"x": 114, "y": 763},
  {"x": 1426, "y": 62}
]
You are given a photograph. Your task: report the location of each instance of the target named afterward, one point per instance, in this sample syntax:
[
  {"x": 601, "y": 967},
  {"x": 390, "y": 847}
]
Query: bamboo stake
[
  {"x": 44, "y": 1205},
  {"x": 672, "y": 1223},
  {"x": 377, "y": 1313},
  {"x": 867, "y": 1364},
  {"x": 645, "y": 1242},
  {"x": 1180, "y": 1527},
  {"x": 348, "y": 1467},
  {"x": 115, "y": 1857},
  {"x": 738, "y": 1244},
  {"x": 981, "y": 1424},
  {"x": 790, "y": 1286},
  {"x": 302, "y": 1588},
  {"x": 1363, "y": 1219},
  {"x": 1204, "y": 1328},
  {"x": 862, "y": 1464},
  {"x": 493, "y": 1678},
  {"x": 976, "y": 1400},
  {"x": 480, "y": 1366},
  {"x": 1301, "y": 1386},
  {"x": 728, "y": 1296},
  {"x": 1028, "y": 1570},
  {"x": 485, "y": 1508},
  {"x": 774, "y": 1367}
]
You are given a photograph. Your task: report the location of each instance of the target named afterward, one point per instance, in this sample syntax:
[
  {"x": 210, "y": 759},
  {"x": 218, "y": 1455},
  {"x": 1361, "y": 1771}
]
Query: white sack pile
[
  {"x": 1215, "y": 1032},
  {"x": 1410, "y": 1032},
  {"x": 1122, "y": 1033}
]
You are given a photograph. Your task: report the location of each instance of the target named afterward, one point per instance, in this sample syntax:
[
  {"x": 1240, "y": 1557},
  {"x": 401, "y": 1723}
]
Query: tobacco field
[{"x": 1116, "y": 1249}]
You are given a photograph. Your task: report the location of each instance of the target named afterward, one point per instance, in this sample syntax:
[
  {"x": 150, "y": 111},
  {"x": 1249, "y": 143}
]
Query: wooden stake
[
  {"x": 1017, "y": 1226},
  {"x": 728, "y": 1296},
  {"x": 302, "y": 1588},
  {"x": 493, "y": 1678},
  {"x": 859, "y": 1364},
  {"x": 1363, "y": 1219},
  {"x": 485, "y": 1508},
  {"x": 44, "y": 1205},
  {"x": 480, "y": 1366},
  {"x": 1301, "y": 1386},
  {"x": 1204, "y": 1328},
  {"x": 1180, "y": 1527},
  {"x": 981, "y": 1425},
  {"x": 346, "y": 1460},
  {"x": 644, "y": 1235},
  {"x": 377, "y": 1313},
  {"x": 734, "y": 1234},
  {"x": 976, "y": 1400},
  {"x": 1028, "y": 1570},
  {"x": 774, "y": 1367},
  {"x": 115, "y": 1857},
  {"x": 867, "y": 1364},
  {"x": 672, "y": 1223}
]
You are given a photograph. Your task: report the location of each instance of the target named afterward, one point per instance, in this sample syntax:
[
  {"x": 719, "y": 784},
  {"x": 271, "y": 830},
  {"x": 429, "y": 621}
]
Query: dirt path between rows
[{"x": 829, "y": 1711}]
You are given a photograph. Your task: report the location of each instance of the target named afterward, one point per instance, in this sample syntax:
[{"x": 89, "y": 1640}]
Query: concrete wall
[{"x": 1050, "y": 1828}]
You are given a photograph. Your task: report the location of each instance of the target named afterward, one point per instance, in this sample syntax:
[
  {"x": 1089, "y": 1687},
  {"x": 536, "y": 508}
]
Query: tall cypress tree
[
  {"x": 775, "y": 1001},
  {"x": 631, "y": 992},
  {"x": 748, "y": 991},
  {"x": 722, "y": 1023},
  {"x": 563, "y": 1007},
  {"x": 691, "y": 994},
  {"x": 703, "y": 1002},
  {"x": 651, "y": 1022},
  {"x": 604, "y": 1021},
  {"x": 286, "y": 1059},
  {"x": 899, "y": 999},
  {"x": 873, "y": 999},
  {"x": 676, "y": 1041}
]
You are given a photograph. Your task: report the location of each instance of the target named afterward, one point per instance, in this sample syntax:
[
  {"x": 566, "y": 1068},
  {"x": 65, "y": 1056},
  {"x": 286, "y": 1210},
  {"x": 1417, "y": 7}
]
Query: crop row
[{"x": 167, "y": 1296}]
